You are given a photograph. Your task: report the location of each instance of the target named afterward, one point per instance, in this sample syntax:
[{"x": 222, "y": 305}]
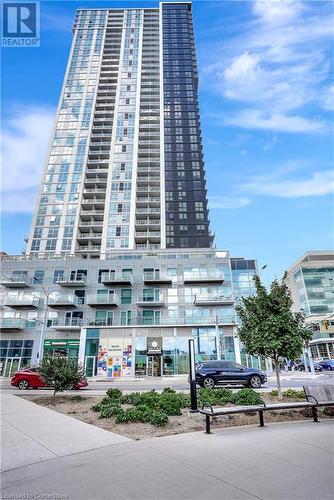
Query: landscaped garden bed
[{"x": 149, "y": 414}]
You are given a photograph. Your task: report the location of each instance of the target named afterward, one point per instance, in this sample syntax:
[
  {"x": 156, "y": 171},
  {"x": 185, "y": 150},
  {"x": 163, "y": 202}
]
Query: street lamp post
[{"x": 192, "y": 377}]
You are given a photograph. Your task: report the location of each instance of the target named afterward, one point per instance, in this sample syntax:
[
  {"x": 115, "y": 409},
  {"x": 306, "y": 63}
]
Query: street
[{"x": 293, "y": 380}]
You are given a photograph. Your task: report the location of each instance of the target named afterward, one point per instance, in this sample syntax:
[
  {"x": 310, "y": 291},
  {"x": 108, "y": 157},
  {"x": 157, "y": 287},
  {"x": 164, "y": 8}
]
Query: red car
[{"x": 30, "y": 377}]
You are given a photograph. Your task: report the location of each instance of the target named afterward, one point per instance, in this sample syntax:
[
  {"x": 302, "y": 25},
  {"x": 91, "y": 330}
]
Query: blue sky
[{"x": 266, "y": 100}]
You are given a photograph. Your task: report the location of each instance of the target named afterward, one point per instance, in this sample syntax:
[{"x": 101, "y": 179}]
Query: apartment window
[
  {"x": 125, "y": 317},
  {"x": 51, "y": 244},
  {"x": 39, "y": 276},
  {"x": 38, "y": 232},
  {"x": 58, "y": 275},
  {"x": 126, "y": 296},
  {"x": 66, "y": 244},
  {"x": 68, "y": 232},
  {"x": 35, "y": 245},
  {"x": 53, "y": 232},
  {"x": 102, "y": 275}
]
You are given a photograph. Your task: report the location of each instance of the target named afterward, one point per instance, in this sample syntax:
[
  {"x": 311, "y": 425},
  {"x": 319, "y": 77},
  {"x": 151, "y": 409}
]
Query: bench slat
[{"x": 322, "y": 393}]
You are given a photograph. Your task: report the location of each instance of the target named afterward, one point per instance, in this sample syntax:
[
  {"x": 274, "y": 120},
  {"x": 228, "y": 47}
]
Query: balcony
[
  {"x": 63, "y": 301},
  {"x": 29, "y": 302},
  {"x": 151, "y": 278},
  {"x": 113, "y": 280},
  {"x": 99, "y": 300},
  {"x": 78, "y": 282},
  {"x": 17, "y": 281},
  {"x": 12, "y": 324},
  {"x": 144, "y": 235},
  {"x": 213, "y": 300},
  {"x": 182, "y": 321},
  {"x": 156, "y": 301},
  {"x": 70, "y": 324},
  {"x": 214, "y": 277}
]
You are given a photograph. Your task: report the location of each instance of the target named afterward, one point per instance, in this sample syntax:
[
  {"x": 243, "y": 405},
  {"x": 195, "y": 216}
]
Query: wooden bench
[{"x": 319, "y": 395}]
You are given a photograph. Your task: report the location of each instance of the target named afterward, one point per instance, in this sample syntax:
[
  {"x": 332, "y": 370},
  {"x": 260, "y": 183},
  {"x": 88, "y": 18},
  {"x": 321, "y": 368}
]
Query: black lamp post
[{"x": 192, "y": 377}]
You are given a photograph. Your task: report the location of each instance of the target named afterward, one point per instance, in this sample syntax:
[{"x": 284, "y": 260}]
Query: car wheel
[
  {"x": 208, "y": 383},
  {"x": 23, "y": 384},
  {"x": 255, "y": 382}
]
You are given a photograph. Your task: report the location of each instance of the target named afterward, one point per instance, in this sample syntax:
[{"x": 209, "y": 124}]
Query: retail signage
[
  {"x": 154, "y": 345},
  {"x": 61, "y": 343}
]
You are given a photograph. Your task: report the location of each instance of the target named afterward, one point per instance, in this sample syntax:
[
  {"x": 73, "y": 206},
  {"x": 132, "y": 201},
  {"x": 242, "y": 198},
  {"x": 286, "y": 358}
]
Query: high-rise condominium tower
[{"x": 125, "y": 166}]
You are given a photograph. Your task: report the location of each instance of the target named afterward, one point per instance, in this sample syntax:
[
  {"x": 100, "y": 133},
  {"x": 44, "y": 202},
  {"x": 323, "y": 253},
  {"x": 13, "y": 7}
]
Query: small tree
[
  {"x": 269, "y": 328},
  {"x": 60, "y": 373}
]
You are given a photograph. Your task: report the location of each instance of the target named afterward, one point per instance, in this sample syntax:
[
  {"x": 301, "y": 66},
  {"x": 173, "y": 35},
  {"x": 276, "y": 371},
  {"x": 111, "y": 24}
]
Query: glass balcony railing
[
  {"x": 23, "y": 301},
  {"x": 205, "y": 277},
  {"x": 212, "y": 299},
  {"x": 111, "y": 300},
  {"x": 113, "y": 278},
  {"x": 16, "y": 281},
  {"x": 65, "y": 323},
  {"x": 63, "y": 300},
  {"x": 13, "y": 323}
]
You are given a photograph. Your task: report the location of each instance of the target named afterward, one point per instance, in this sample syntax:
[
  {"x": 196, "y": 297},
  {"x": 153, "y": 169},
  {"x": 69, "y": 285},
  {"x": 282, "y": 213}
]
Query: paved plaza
[{"x": 46, "y": 453}]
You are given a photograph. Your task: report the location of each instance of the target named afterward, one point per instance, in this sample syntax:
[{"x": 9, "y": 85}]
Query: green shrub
[
  {"x": 106, "y": 402},
  {"x": 168, "y": 390},
  {"x": 170, "y": 404},
  {"x": 159, "y": 418},
  {"x": 114, "y": 394},
  {"x": 223, "y": 395},
  {"x": 77, "y": 398},
  {"x": 97, "y": 407},
  {"x": 122, "y": 416},
  {"x": 206, "y": 396},
  {"x": 110, "y": 411},
  {"x": 247, "y": 397},
  {"x": 184, "y": 399},
  {"x": 291, "y": 393},
  {"x": 274, "y": 393},
  {"x": 144, "y": 413},
  {"x": 150, "y": 399}
]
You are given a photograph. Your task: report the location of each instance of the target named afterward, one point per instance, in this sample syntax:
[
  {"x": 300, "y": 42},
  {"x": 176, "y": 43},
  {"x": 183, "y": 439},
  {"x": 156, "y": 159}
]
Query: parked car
[
  {"x": 317, "y": 366},
  {"x": 210, "y": 373},
  {"x": 327, "y": 364},
  {"x": 30, "y": 377}
]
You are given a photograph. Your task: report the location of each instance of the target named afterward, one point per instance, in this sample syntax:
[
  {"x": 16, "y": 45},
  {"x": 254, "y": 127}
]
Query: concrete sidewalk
[
  {"x": 65, "y": 458},
  {"x": 32, "y": 433}
]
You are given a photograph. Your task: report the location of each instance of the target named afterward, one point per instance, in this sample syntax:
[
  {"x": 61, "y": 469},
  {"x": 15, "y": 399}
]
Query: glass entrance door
[
  {"x": 90, "y": 366},
  {"x": 12, "y": 365},
  {"x": 153, "y": 366}
]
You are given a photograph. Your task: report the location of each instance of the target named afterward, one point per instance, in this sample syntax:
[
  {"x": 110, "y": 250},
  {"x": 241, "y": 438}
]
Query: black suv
[{"x": 210, "y": 373}]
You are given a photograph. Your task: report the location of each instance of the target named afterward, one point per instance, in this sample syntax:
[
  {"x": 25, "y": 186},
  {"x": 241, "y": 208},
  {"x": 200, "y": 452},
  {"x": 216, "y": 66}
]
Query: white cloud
[
  {"x": 277, "y": 11},
  {"x": 280, "y": 122},
  {"x": 317, "y": 184},
  {"x": 228, "y": 202},
  {"x": 24, "y": 147},
  {"x": 279, "y": 67}
]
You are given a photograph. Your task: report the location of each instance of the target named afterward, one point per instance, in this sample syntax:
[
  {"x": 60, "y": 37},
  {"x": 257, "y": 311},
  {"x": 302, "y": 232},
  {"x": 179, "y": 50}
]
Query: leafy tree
[
  {"x": 60, "y": 373},
  {"x": 269, "y": 328}
]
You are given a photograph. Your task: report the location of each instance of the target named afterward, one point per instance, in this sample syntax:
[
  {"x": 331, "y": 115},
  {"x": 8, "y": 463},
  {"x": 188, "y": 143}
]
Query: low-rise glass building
[{"x": 128, "y": 315}]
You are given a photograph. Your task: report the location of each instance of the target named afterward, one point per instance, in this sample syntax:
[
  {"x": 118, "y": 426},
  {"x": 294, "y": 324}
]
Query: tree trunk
[
  {"x": 278, "y": 379},
  {"x": 54, "y": 397}
]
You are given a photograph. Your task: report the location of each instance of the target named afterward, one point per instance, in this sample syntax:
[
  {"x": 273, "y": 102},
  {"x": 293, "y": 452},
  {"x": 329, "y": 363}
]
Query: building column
[
  {"x": 236, "y": 348},
  {"x": 82, "y": 346}
]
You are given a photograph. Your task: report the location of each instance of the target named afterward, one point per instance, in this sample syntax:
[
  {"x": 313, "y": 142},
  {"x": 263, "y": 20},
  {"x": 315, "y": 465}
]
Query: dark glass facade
[{"x": 187, "y": 224}]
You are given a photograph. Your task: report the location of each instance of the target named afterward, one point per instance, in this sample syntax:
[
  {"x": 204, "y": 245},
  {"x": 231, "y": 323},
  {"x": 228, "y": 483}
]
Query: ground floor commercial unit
[
  {"x": 129, "y": 315},
  {"x": 109, "y": 353},
  {"x": 322, "y": 348}
]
